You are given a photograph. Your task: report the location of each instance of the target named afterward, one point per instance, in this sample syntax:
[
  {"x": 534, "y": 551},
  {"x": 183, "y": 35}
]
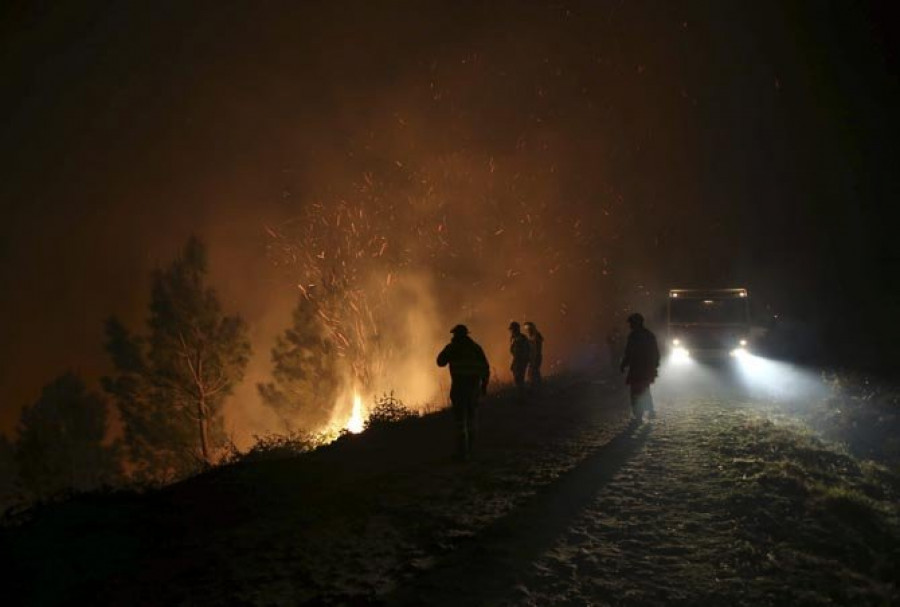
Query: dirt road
[{"x": 716, "y": 502}]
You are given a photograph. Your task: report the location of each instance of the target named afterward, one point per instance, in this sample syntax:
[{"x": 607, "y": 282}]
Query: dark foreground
[{"x": 720, "y": 501}]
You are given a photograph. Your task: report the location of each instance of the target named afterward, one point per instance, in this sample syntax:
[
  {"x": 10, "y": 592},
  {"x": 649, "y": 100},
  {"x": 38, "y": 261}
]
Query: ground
[{"x": 723, "y": 499}]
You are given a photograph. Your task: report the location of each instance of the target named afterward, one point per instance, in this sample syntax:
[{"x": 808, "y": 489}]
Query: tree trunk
[{"x": 204, "y": 436}]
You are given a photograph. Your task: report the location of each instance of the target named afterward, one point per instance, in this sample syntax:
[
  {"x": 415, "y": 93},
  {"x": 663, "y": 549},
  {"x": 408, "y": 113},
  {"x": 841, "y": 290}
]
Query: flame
[{"x": 356, "y": 421}]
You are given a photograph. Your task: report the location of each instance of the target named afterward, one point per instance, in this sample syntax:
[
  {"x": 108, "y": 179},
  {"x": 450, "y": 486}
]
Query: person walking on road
[
  {"x": 469, "y": 375},
  {"x": 535, "y": 354},
  {"x": 520, "y": 350},
  {"x": 642, "y": 361}
]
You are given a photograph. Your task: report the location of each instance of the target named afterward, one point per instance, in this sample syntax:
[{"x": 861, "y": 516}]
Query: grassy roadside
[
  {"x": 860, "y": 411},
  {"x": 727, "y": 504},
  {"x": 808, "y": 507}
]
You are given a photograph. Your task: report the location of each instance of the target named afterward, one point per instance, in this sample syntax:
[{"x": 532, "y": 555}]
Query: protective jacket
[
  {"x": 466, "y": 359},
  {"x": 520, "y": 350},
  {"x": 641, "y": 357},
  {"x": 536, "y": 349}
]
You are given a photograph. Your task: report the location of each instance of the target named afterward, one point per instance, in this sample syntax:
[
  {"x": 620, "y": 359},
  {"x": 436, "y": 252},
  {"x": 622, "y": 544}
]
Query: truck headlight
[{"x": 680, "y": 354}]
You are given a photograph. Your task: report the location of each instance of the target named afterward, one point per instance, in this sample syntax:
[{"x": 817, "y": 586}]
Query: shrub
[
  {"x": 280, "y": 446},
  {"x": 388, "y": 410},
  {"x": 863, "y": 412}
]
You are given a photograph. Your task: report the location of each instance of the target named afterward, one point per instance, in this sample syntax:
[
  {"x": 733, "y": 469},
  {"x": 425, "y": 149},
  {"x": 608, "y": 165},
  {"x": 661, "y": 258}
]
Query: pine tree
[
  {"x": 61, "y": 440},
  {"x": 305, "y": 374},
  {"x": 160, "y": 442},
  {"x": 171, "y": 384}
]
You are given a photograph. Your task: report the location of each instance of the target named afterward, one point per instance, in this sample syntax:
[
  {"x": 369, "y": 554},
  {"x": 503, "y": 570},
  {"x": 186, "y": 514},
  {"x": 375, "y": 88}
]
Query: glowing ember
[{"x": 355, "y": 423}]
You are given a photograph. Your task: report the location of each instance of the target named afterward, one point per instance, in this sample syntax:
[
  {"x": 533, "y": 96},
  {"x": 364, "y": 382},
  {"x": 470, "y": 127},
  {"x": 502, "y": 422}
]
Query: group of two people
[
  {"x": 527, "y": 350},
  {"x": 470, "y": 371}
]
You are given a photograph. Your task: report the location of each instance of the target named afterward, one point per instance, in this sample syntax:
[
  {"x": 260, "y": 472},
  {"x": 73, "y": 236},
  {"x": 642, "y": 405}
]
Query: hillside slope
[{"x": 718, "y": 501}]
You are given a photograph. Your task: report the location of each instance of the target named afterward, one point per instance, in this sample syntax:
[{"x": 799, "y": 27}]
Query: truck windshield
[{"x": 716, "y": 311}]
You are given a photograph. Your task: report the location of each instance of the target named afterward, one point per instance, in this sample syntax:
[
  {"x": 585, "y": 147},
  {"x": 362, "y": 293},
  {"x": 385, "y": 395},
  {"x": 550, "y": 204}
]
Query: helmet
[
  {"x": 636, "y": 319},
  {"x": 514, "y": 325},
  {"x": 460, "y": 330}
]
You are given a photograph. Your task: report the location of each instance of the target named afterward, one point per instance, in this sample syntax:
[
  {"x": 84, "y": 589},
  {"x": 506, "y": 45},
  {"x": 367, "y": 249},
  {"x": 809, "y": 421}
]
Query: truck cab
[{"x": 708, "y": 323}]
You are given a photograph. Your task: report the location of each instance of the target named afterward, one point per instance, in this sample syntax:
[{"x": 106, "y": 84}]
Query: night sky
[{"x": 728, "y": 143}]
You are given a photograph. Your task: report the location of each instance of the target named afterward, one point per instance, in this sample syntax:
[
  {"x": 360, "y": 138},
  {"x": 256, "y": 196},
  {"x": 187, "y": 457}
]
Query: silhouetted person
[
  {"x": 469, "y": 375},
  {"x": 642, "y": 361},
  {"x": 521, "y": 351},
  {"x": 535, "y": 354}
]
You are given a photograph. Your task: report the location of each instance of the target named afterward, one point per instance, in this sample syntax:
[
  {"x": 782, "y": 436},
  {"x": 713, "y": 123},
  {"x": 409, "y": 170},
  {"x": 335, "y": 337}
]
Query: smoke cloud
[{"x": 558, "y": 162}]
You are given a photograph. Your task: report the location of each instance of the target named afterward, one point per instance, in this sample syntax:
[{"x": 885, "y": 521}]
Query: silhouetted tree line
[
  {"x": 62, "y": 444},
  {"x": 7, "y": 471},
  {"x": 168, "y": 389}
]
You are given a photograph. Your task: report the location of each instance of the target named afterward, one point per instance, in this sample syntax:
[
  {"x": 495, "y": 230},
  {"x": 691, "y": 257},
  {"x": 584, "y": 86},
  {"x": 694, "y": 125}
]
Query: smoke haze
[{"x": 557, "y": 162}]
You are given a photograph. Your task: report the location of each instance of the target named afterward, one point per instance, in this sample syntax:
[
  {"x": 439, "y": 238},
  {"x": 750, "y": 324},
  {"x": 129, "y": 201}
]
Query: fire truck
[{"x": 709, "y": 324}]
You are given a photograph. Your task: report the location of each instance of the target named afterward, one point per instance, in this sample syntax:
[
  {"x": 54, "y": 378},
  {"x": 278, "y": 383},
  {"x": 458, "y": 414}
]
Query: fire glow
[
  {"x": 356, "y": 423},
  {"x": 394, "y": 258}
]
